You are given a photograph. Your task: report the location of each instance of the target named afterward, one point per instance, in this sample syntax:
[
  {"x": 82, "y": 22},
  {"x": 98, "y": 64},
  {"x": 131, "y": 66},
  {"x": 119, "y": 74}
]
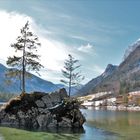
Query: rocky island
[{"x": 41, "y": 110}]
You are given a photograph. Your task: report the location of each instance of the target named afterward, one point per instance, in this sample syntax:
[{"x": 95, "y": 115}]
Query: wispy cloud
[
  {"x": 75, "y": 27},
  {"x": 86, "y": 48},
  {"x": 79, "y": 37}
]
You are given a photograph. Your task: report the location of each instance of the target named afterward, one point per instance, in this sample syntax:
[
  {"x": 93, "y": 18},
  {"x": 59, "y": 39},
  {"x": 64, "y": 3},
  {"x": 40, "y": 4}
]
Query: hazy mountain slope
[{"x": 32, "y": 84}]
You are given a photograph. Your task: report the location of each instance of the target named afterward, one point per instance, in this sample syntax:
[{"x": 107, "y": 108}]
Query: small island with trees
[{"x": 38, "y": 109}]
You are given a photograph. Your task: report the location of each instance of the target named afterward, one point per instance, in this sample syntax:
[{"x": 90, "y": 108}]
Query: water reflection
[
  {"x": 100, "y": 125},
  {"x": 125, "y": 125},
  {"x": 51, "y": 130},
  {"x": 64, "y": 130},
  {"x": 94, "y": 133}
]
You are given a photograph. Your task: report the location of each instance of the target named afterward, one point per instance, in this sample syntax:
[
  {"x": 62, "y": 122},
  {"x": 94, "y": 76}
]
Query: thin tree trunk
[
  {"x": 23, "y": 67},
  {"x": 23, "y": 72},
  {"x": 20, "y": 80},
  {"x": 70, "y": 85},
  {"x": 69, "y": 88}
]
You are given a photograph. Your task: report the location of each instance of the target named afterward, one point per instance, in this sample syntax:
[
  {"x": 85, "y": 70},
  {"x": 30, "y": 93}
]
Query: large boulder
[{"x": 41, "y": 110}]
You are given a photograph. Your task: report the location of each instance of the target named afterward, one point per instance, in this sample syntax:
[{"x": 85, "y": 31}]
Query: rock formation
[{"x": 41, "y": 110}]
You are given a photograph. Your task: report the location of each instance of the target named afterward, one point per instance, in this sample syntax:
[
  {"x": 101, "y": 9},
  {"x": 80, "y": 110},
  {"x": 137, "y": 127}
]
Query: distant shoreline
[
  {"x": 2, "y": 103},
  {"x": 115, "y": 108}
]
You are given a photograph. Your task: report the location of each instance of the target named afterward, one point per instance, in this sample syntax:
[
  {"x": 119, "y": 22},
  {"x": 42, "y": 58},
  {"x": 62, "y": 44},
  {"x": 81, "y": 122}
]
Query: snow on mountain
[{"x": 131, "y": 48}]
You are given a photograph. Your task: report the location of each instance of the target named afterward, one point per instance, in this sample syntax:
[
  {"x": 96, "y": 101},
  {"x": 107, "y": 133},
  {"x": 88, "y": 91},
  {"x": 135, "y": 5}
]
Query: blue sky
[{"x": 97, "y": 32}]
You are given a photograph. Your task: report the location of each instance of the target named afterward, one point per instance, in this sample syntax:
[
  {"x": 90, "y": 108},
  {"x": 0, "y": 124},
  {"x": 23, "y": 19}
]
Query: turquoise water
[
  {"x": 111, "y": 125},
  {"x": 100, "y": 125}
]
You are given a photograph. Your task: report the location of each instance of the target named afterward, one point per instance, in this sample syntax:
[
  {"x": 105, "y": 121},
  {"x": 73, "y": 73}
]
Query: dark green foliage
[
  {"x": 72, "y": 77},
  {"x": 26, "y": 58},
  {"x": 124, "y": 87}
]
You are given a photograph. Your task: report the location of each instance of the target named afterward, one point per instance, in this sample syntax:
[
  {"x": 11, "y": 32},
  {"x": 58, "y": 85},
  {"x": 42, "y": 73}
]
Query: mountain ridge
[
  {"x": 34, "y": 83},
  {"x": 123, "y": 78},
  {"x": 96, "y": 81}
]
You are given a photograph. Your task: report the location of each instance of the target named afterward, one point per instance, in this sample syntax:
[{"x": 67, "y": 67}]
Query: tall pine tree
[
  {"x": 71, "y": 76},
  {"x": 27, "y": 58}
]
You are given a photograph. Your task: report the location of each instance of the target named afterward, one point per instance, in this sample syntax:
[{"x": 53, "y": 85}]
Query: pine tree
[
  {"x": 72, "y": 77},
  {"x": 26, "y": 58}
]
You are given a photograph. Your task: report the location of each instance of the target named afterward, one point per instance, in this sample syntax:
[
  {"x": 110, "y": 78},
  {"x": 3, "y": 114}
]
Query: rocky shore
[{"x": 41, "y": 110}]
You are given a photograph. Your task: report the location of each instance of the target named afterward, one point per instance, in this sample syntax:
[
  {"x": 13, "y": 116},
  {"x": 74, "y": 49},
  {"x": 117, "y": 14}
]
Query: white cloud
[
  {"x": 86, "y": 48},
  {"x": 53, "y": 52},
  {"x": 9, "y": 29}
]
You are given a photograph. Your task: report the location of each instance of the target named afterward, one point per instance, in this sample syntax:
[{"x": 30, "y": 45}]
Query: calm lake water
[
  {"x": 111, "y": 125},
  {"x": 104, "y": 125}
]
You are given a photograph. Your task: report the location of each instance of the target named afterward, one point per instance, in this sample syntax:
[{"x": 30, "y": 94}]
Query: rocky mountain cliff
[
  {"x": 87, "y": 89},
  {"x": 121, "y": 79},
  {"x": 131, "y": 48}
]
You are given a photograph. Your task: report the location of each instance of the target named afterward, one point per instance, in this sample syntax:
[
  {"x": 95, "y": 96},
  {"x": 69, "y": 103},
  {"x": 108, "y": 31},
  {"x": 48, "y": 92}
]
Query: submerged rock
[{"x": 40, "y": 110}]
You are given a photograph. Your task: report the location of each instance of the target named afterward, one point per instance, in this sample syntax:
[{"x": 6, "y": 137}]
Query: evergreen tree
[
  {"x": 26, "y": 58},
  {"x": 72, "y": 77}
]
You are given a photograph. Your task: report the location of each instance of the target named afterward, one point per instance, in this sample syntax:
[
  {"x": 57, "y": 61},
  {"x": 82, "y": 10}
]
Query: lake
[
  {"x": 100, "y": 125},
  {"x": 111, "y": 125}
]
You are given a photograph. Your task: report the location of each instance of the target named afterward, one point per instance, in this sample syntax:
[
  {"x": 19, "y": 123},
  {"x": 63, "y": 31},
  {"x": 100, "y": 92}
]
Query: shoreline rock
[{"x": 41, "y": 110}]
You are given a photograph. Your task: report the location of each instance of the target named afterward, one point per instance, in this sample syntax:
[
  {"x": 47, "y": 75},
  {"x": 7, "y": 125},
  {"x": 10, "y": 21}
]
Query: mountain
[
  {"x": 119, "y": 79},
  {"x": 131, "y": 48},
  {"x": 33, "y": 83},
  {"x": 86, "y": 89}
]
